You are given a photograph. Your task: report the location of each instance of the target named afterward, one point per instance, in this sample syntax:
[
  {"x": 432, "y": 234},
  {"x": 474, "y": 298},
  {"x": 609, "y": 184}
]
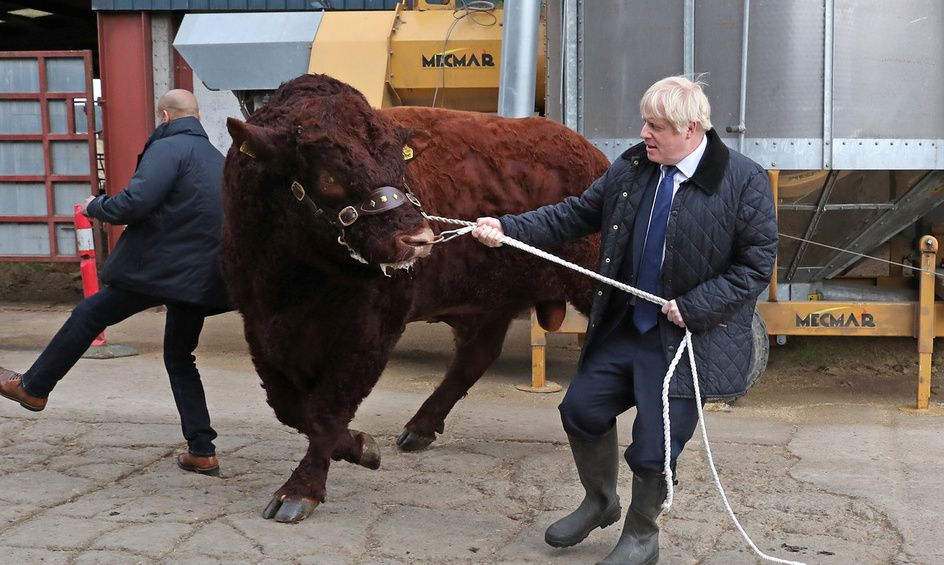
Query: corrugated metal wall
[{"x": 237, "y": 5}]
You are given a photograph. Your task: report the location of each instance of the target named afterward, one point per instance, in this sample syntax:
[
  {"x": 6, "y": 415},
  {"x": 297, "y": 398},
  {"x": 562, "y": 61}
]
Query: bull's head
[{"x": 344, "y": 161}]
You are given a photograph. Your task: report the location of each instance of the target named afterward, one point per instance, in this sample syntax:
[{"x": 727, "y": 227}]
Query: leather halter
[{"x": 380, "y": 200}]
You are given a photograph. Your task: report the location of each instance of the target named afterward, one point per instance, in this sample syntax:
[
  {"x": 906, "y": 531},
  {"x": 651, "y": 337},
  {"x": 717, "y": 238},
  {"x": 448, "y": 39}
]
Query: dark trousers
[
  {"x": 623, "y": 369},
  {"x": 181, "y": 335}
]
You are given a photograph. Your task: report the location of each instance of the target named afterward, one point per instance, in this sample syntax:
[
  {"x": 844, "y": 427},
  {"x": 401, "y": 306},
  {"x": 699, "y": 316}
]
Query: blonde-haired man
[{"x": 683, "y": 217}]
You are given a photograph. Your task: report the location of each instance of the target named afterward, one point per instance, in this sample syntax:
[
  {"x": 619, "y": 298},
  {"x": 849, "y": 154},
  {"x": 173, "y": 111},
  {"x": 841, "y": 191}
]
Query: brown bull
[{"x": 327, "y": 267}]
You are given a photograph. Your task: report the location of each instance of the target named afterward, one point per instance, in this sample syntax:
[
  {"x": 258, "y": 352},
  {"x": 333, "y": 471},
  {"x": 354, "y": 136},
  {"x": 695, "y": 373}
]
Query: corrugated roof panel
[{"x": 242, "y": 5}]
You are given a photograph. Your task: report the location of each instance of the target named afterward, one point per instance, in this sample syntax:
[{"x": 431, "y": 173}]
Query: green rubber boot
[
  {"x": 639, "y": 542},
  {"x": 598, "y": 466}
]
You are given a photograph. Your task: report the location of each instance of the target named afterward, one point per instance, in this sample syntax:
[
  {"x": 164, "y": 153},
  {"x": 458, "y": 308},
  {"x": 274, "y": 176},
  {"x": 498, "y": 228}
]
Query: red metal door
[
  {"x": 124, "y": 51},
  {"x": 47, "y": 151}
]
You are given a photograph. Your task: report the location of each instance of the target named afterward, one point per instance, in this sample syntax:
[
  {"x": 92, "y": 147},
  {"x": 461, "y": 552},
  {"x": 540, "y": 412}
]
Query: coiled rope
[{"x": 685, "y": 344}]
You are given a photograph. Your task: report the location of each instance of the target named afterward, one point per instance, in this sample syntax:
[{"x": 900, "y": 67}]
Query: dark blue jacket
[
  {"x": 174, "y": 215},
  {"x": 721, "y": 241}
]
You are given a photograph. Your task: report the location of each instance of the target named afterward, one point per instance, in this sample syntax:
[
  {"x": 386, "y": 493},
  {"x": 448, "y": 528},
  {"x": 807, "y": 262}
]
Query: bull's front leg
[
  {"x": 328, "y": 439},
  {"x": 479, "y": 342},
  {"x": 305, "y": 489},
  {"x": 357, "y": 447},
  {"x": 327, "y": 410},
  {"x": 353, "y": 446},
  {"x": 341, "y": 383}
]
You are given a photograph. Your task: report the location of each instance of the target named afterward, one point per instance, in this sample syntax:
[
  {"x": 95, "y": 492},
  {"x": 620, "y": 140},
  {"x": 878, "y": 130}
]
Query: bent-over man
[{"x": 168, "y": 254}]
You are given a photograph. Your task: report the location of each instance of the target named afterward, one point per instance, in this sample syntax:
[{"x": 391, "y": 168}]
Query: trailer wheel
[{"x": 760, "y": 342}]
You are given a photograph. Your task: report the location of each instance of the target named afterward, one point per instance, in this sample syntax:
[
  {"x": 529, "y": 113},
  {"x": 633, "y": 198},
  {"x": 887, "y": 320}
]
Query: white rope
[
  {"x": 711, "y": 460},
  {"x": 686, "y": 343},
  {"x": 555, "y": 259},
  {"x": 667, "y": 428}
]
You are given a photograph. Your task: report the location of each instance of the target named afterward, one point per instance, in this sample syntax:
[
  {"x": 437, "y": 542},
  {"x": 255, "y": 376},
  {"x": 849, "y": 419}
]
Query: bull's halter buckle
[
  {"x": 298, "y": 191},
  {"x": 347, "y": 216}
]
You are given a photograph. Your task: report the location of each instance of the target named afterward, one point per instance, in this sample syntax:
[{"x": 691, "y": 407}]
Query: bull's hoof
[
  {"x": 289, "y": 510},
  {"x": 410, "y": 441},
  {"x": 370, "y": 451}
]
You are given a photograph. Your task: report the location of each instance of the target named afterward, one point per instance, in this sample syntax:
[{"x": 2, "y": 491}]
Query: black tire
[{"x": 760, "y": 342}]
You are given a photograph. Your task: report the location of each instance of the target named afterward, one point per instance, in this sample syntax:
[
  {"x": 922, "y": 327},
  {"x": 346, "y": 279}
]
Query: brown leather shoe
[
  {"x": 12, "y": 388},
  {"x": 198, "y": 464}
]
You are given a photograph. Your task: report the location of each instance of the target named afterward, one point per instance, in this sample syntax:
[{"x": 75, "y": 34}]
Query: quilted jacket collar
[
  {"x": 188, "y": 125},
  {"x": 710, "y": 171}
]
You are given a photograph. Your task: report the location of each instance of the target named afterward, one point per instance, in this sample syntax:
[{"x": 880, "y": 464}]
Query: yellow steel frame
[
  {"x": 574, "y": 323},
  {"x": 923, "y": 320}
]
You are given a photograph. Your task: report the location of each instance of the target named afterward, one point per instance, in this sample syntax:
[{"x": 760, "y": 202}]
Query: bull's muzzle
[{"x": 421, "y": 242}]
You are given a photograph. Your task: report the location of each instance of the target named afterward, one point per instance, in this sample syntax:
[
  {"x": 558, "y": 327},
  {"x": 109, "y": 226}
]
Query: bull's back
[{"x": 468, "y": 164}]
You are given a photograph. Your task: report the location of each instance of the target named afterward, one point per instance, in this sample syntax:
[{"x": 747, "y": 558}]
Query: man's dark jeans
[{"x": 181, "y": 335}]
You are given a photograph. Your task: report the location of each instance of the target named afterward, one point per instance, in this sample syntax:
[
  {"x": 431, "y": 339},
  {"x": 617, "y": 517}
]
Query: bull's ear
[
  {"x": 418, "y": 139},
  {"x": 255, "y": 141},
  {"x": 403, "y": 134}
]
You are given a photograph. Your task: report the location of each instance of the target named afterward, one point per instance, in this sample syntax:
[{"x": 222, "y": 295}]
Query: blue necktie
[{"x": 645, "y": 313}]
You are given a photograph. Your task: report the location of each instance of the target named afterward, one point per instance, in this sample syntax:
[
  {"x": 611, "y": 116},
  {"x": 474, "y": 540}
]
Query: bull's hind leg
[{"x": 478, "y": 343}]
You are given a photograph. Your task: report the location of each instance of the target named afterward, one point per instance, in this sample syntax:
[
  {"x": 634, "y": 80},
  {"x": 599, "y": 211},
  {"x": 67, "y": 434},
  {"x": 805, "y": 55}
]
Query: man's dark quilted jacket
[
  {"x": 174, "y": 214},
  {"x": 721, "y": 241}
]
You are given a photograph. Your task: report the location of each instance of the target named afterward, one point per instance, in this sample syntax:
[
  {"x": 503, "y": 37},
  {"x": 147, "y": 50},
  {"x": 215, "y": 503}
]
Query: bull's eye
[{"x": 330, "y": 186}]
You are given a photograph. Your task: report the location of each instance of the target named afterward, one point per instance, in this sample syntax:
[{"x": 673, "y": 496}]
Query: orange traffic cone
[{"x": 85, "y": 243}]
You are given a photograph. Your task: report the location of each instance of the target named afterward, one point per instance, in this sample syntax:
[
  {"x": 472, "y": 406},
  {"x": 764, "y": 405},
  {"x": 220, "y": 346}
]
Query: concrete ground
[{"x": 818, "y": 461}]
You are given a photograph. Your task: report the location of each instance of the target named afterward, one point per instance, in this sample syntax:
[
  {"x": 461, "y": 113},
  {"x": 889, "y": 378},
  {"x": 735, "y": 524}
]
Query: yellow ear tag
[
  {"x": 244, "y": 148},
  {"x": 407, "y": 152}
]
